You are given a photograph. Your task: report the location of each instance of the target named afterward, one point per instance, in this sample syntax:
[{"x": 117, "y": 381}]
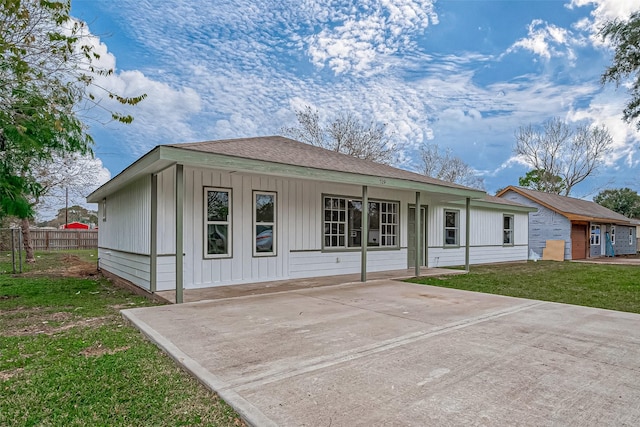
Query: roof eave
[{"x": 163, "y": 156}]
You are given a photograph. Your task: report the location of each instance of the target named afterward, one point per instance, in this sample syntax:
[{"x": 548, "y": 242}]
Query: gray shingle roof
[
  {"x": 278, "y": 149},
  {"x": 569, "y": 205}
]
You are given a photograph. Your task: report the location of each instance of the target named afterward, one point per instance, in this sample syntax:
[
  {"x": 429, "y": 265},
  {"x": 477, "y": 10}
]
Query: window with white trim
[
  {"x": 613, "y": 234},
  {"x": 595, "y": 235},
  {"x": 104, "y": 209},
  {"x": 451, "y": 228},
  {"x": 264, "y": 223},
  {"x": 507, "y": 232},
  {"x": 343, "y": 223},
  {"x": 217, "y": 222},
  {"x": 630, "y": 236}
]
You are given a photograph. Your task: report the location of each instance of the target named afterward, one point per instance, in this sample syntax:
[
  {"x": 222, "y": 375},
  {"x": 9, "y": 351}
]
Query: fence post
[
  {"x": 20, "y": 249},
  {"x": 13, "y": 252},
  {"x": 46, "y": 239}
]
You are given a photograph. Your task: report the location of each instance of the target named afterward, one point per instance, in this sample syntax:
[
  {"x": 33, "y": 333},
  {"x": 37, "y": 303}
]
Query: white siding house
[{"x": 261, "y": 209}]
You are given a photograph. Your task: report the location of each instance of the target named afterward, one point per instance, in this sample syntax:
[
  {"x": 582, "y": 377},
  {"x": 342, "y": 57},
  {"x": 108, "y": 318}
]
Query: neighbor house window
[
  {"x": 264, "y": 223},
  {"x": 631, "y": 237},
  {"x": 595, "y": 235},
  {"x": 343, "y": 223},
  {"x": 451, "y": 228},
  {"x": 507, "y": 233},
  {"x": 613, "y": 234},
  {"x": 104, "y": 209},
  {"x": 217, "y": 222}
]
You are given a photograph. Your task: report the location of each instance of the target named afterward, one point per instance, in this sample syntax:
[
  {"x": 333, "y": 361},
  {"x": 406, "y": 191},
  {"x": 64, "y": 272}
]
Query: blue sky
[{"x": 461, "y": 74}]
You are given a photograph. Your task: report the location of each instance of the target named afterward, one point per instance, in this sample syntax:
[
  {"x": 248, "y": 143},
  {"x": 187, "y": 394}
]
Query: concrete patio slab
[{"x": 393, "y": 353}]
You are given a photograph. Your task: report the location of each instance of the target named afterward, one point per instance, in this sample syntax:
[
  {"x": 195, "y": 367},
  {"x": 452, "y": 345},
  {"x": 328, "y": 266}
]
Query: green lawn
[
  {"x": 68, "y": 359},
  {"x": 615, "y": 287}
]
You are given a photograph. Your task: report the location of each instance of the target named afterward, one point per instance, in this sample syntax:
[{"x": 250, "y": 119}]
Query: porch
[{"x": 259, "y": 288}]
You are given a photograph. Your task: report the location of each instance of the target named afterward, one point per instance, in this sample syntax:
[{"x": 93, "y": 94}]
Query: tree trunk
[{"x": 26, "y": 240}]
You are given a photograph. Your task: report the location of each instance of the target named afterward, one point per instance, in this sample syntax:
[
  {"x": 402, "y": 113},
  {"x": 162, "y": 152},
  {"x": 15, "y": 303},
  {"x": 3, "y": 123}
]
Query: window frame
[
  {"x": 511, "y": 230},
  {"x": 630, "y": 236},
  {"x": 595, "y": 238},
  {"x": 104, "y": 209},
  {"x": 456, "y": 228},
  {"x": 329, "y": 232},
  {"x": 273, "y": 224},
  {"x": 206, "y": 223},
  {"x": 613, "y": 235}
]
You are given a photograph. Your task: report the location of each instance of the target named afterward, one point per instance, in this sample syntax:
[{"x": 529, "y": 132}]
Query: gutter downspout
[
  {"x": 467, "y": 234},
  {"x": 364, "y": 234},
  {"x": 153, "y": 277},
  {"x": 418, "y": 238},
  {"x": 179, "y": 233}
]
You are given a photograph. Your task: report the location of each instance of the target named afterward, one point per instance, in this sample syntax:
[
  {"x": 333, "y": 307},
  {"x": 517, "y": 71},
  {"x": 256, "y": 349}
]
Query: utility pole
[{"x": 66, "y": 208}]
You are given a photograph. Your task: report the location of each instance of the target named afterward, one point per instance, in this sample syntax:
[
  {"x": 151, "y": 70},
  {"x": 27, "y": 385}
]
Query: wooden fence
[{"x": 47, "y": 240}]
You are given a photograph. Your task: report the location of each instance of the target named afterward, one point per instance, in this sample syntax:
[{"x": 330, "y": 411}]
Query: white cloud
[
  {"x": 603, "y": 12},
  {"x": 546, "y": 41},
  {"x": 358, "y": 39}
]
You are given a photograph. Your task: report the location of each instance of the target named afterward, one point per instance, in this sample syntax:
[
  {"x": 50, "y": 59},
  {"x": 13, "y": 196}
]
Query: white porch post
[
  {"x": 364, "y": 234},
  {"x": 418, "y": 237},
  {"x": 179, "y": 232},
  {"x": 467, "y": 229},
  {"x": 153, "y": 263}
]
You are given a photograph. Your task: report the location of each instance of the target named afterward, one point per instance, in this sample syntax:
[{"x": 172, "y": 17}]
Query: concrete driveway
[{"x": 399, "y": 354}]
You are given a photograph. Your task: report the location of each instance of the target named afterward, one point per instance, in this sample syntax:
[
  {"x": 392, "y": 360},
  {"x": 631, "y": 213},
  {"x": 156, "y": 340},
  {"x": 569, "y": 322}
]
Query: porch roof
[{"x": 279, "y": 156}]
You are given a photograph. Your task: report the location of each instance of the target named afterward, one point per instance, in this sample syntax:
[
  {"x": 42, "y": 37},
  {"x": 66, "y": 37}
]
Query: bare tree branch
[
  {"x": 447, "y": 167},
  {"x": 557, "y": 151},
  {"x": 344, "y": 134}
]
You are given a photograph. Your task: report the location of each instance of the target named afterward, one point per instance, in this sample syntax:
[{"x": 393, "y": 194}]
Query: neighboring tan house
[
  {"x": 588, "y": 229},
  {"x": 270, "y": 208}
]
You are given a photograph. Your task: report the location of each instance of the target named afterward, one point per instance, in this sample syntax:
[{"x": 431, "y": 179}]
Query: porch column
[
  {"x": 418, "y": 238},
  {"x": 467, "y": 233},
  {"x": 179, "y": 232},
  {"x": 153, "y": 263},
  {"x": 364, "y": 234}
]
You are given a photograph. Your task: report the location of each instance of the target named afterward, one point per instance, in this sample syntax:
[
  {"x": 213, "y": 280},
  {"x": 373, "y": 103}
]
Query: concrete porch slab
[
  {"x": 218, "y": 292},
  {"x": 394, "y": 353}
]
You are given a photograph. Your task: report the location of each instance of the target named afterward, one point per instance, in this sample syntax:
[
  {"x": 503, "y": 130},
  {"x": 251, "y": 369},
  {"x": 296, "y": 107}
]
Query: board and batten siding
[
  {"x": 124, "y": 235},
  {"x": 485, "y": 235},
  {"x": 544, "y": 225},
  {"x": 299, "y": 215}
]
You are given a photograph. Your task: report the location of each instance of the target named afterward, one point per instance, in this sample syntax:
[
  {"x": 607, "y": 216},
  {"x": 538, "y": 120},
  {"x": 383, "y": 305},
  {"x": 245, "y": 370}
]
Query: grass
[
  {"x": 68, "y": 359},
  {"x": 45, "y": 260},
  {"x": 614, "y": 287}
]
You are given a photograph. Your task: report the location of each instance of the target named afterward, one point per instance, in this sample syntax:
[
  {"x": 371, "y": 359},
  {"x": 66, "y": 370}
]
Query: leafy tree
[
  {"x": 541, "y": 180},
  {"x": 447, "y": 167},
  {"x": 625, "y": 38},
  {"x": 47, "y": 74},
  {"x": 625, "y": 201},
  {"x": 344, "y": 134},
  {"x": 555, "y": 150}
]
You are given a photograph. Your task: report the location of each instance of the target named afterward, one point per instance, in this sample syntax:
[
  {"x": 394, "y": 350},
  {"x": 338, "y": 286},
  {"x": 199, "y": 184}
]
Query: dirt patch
[
  {"x": 8, "y": 374},
  {"x": 98, "y": 350},
  {"x": 33, "y": 321},
  {"x": 70, "y": 266}
]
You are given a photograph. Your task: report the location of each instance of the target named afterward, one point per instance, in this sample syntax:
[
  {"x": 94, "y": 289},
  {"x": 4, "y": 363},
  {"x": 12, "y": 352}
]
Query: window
[
  {"x": 264, "y": 223},
  {"x": 451, "y": 227},
  {"x": 507, "y": 226},
  {"x": 343, "y": 223},
  {"x": 104, "y": 209},
  {"x": 613, "y": 234},
  {"x": 630, "y": 236},
  {"x": 217, "y": 222},
  {"x": 595, "y": 235}
]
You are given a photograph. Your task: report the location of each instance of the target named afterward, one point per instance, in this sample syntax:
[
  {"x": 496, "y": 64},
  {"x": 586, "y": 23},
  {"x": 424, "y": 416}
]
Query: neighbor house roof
[
  {"x": 279, "y": 156},
  {"x": 570, "y": 207}
]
